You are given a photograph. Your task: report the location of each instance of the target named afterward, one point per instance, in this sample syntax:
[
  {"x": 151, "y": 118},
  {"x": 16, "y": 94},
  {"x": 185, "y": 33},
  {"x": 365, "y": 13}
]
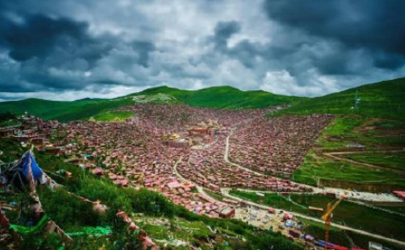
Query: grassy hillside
[
  {"x": 224, "y": 97},
  {"x": 383, "y": 100},
  {"x": 215, "y": 97},
  {"x": 113, "y": 116},
  {"x": 63, "y": 111}
]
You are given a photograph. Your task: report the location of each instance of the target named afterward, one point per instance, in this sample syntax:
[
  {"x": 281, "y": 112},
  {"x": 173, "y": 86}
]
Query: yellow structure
[{"x": 327, "y": 216}]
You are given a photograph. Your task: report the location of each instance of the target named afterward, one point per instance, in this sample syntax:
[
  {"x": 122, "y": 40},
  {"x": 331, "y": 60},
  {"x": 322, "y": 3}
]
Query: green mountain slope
[
  {"x": 224, "y": 97},
  {"x": 381, "y": 100},
  {"x": 63, "y": 111},
  {"x": 214, "y": 97}
]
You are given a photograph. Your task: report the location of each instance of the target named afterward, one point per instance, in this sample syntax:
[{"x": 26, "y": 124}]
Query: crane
[{"x": 327, "y": 216}]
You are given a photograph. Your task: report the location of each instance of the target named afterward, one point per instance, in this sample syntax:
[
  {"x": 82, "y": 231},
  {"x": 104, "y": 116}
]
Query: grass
[
  {"x": 63, "y": 111},
  {"x": 395, "y": 141},
  {"x": 400, "y": 210},
  {"x": 349, "y": 130},
  {"x": 342, "y": 237},
  {"x": 389, "y": 124},
  {"x": 394, "y": 160},
  {"x": 383, "y": 100},
  {"x": 315, "y": 167},
  {"x": 214, "y": 195},
  {"x": 347, "y": 213},
  {"x": 10, "y": 150},
  {"x": 225, "y": 97},
  {"x": 9, "y": 123},
  {"x": 113, "y": 116},
  {"x": 344, "y": 126}
]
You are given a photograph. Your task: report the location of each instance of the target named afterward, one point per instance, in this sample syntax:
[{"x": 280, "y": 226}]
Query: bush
[{"x": 66, "y": 210}]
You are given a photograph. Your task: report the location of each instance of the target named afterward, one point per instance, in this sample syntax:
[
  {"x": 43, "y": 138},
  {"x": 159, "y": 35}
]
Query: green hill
[
  {"x": 223, "y": 97},
  {"x": 63, "y": 111},
  {"x": 380, "y": 100},
  {"x": 214, "y": 97}
]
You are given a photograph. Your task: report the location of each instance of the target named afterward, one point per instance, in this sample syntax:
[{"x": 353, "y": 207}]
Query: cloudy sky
[{"x": 71, "y": 49}]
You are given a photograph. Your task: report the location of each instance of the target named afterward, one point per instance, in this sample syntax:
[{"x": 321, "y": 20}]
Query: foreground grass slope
[
  {"x": 214, "y": 97},
  {"x": 383, "y": 100}
]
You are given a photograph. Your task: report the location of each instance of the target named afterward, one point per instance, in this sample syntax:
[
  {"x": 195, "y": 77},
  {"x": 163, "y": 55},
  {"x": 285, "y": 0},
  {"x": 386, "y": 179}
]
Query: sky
[{"x": 73, "y": 49}]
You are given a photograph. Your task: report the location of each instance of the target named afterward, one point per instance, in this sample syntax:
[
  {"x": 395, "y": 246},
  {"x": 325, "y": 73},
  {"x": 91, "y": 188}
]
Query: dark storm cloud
[
  {"x": 223, "y": 31},
  {"x": 40, "y": 43},
  {"x": 39, "y": 35},
  {"x": 54, "y": 53},
  {"x": 143, "y": 48},
  {"x": 376, "y": 26},
  {"x": 290, "y": 47}
]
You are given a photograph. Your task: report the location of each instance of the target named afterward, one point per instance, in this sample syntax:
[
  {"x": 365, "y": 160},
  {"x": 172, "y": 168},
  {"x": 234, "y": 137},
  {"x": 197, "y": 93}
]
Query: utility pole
[{"x": 356, "y": 101}]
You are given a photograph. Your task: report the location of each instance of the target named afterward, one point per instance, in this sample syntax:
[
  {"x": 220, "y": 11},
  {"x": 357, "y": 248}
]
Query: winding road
[{"x": 225, "y": 193}]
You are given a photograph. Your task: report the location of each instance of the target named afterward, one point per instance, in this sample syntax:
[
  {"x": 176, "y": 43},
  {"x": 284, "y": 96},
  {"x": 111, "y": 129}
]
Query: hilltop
[
  {"x": 382, "y": 100},
  {"x": 223, "y": 97},
  {"x": 214, "y": 97}
]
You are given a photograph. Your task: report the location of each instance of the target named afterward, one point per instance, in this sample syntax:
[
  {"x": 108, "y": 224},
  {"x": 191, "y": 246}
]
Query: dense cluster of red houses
[
  {"x": 133, "y": 154},
  {"x": 207, "y": 168},
  {"x": 276, "y": 146}
]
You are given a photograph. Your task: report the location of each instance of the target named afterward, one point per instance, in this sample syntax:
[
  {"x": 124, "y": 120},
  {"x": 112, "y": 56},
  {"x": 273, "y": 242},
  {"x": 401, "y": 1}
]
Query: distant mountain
[
  {"x": 214, "y": 97},
  {"x": 223, "y": 97},
  {"x": 381, "y": 100}
]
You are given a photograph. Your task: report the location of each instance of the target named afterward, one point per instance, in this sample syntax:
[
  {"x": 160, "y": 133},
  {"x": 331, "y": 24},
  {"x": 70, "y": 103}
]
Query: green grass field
[
  {"x": 62, "y": 111},
  {"x": 117, "y": 116},
  {"x": 344, "y": 126},
  {"x": 347, "y": 213},
  {"x": 383, "y": 100},
  {"x": 341, "y": 134},
  {"x": 344, "y": 238},
  {"x": 9, "y": 123},
  {"x": 225, "y": 97},
  {"x": 315, "y": 167},
  {"x": 395, "y": 160}
]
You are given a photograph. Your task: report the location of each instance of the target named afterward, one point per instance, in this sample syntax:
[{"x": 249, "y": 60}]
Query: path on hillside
[
  {"x": 225, "y": 192},
  {"x": 367, "y": 152},
  {"x": 226, "y": 156},
  {"x": 199, "y": 188},
  {"x": 334, "y": 155}
]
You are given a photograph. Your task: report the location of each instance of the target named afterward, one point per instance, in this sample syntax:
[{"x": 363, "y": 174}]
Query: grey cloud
[
  {"x": 223, "y": 31},
  {"x": 143, "y": 48},
  {"x": 375, "y": 26},
  {"x": 304, "y": 47}
]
